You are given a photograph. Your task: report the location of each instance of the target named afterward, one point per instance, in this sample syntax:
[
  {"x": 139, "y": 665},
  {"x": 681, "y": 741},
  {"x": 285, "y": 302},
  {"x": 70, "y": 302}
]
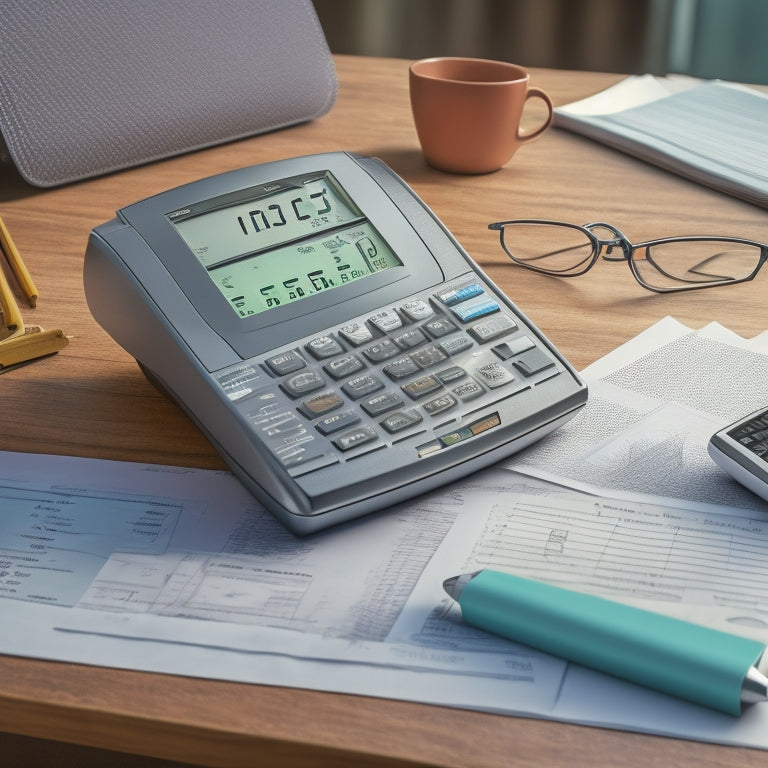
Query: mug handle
[{"x": 539, "y": 94}]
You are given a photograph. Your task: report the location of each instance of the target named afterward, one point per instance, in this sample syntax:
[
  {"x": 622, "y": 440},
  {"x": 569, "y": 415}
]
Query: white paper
[
  {"x": 212, "y": 570},
  {"x": 709, "y": 131},
  {"x": 644, "y": 431},
  {"x": 634, "y": 91}
]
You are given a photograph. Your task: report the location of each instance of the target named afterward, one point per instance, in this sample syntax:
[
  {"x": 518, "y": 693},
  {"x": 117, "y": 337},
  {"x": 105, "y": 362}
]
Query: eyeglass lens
[
  {"x": 681, "y": 264},
  {"x": 553, "y": 248}
]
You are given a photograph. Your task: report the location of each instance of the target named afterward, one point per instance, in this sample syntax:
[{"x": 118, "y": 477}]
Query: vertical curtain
[
  {"x": 606, "y": 35},
  {"x": 720, "y": 39}
]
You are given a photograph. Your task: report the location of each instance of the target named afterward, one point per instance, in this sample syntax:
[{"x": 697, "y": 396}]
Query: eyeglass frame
[{"x": 628, "y": 248}]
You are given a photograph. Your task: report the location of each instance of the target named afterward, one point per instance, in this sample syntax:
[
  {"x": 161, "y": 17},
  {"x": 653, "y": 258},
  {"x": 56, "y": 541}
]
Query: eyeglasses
[{"x": 664, "y": 265}]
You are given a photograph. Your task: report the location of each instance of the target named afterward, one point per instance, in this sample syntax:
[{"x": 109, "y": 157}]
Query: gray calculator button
[
  {"x": 418, "y": 309},
  {"x": 342, "y": 367},
  {"x": 533, "y": 361},
  {"x": 429, "y": 356},
  {"x": 503, "y": 351},
  {"x": 381, "y": 350},
  {"x": 439, "y": 404},
  {"x": 361, "y": 386},
  {"x": 455, "y": 344},
  {"x": 303, "y": 383},
  {"x": 356, "y": 333},
  {"x": 493, "y": 375},
  {"x": 397, "y": 422},
  {"x": 317, "y": 405},
  {"x": 410, "y": 339},
  {"x": 285, "y": 363},
  {"x": 516, "y": 346},
  {"x": 439, "y": 327},
  {"x": 422, "y": 386},
  {"x": 467, "y": 391},
  {"x": 323, "y": 347},
  {"x": 337, "y": 421},
  {"x": 378, "y": 404},
  {"x": 493, "y": 328},
  {"x": 387, "y": 321},
  {"x": 400, "y": 368},
  {"x": 451, "y": 375},
  {"x": 355, "y": 437}
]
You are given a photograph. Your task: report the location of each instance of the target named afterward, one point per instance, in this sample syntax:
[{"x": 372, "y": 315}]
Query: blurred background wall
[{"x": 704, "y": 38}]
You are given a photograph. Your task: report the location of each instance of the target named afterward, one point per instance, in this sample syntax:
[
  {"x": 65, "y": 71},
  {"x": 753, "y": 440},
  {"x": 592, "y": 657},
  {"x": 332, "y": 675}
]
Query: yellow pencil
[
  {"x": 17, "y": 265},
  {"x": 30, "y": 346},
  {"x": 12, "y": 324}
]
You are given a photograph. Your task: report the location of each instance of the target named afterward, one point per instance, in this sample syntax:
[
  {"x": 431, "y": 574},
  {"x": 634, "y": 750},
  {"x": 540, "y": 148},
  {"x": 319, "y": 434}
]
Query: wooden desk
[{"x": 91, "y": 400}]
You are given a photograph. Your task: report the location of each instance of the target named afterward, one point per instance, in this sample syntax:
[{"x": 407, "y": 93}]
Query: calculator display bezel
[{"x": 152, "y": 219}]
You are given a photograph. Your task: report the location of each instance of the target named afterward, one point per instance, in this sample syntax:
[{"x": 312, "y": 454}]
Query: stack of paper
[{"x": 711, "y": 132}]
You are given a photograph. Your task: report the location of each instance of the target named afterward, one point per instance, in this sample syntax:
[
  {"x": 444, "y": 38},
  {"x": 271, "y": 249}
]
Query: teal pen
[{"x": 707, "y": 666}]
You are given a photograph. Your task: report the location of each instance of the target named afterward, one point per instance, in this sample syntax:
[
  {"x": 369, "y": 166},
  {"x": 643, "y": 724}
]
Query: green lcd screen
[{"x": 294, "y": 239}]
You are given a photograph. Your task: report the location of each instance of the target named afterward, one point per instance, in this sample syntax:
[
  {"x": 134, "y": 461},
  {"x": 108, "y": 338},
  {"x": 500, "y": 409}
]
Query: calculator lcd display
[{"x": 296, "y": 238}]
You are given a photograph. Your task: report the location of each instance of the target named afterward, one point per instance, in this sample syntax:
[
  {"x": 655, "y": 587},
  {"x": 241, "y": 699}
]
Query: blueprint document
[
  {"x": 211, "y": 585},
  {"x": 192, "y": 563}
]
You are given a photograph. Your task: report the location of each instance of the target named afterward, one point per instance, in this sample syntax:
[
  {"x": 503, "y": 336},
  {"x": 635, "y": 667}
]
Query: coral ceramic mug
[{"x": 467, "y": 112}]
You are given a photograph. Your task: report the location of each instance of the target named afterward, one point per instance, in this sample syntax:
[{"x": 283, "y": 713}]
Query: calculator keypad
[
  {"x": 400, "y": 371},
  {"x": 753, "y": 435}
]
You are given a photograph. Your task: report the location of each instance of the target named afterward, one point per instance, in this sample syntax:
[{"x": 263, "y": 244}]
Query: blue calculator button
[
  {"x": 457, "y": 295},
  {"x": 474, "y": 309}
]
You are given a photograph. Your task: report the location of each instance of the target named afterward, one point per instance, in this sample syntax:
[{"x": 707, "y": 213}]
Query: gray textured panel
[{"x": 88, "y": 87}]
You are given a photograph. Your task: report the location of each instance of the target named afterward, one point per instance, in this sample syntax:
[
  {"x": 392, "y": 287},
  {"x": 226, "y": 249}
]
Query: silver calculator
[{"x": 327, "y": 333}]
